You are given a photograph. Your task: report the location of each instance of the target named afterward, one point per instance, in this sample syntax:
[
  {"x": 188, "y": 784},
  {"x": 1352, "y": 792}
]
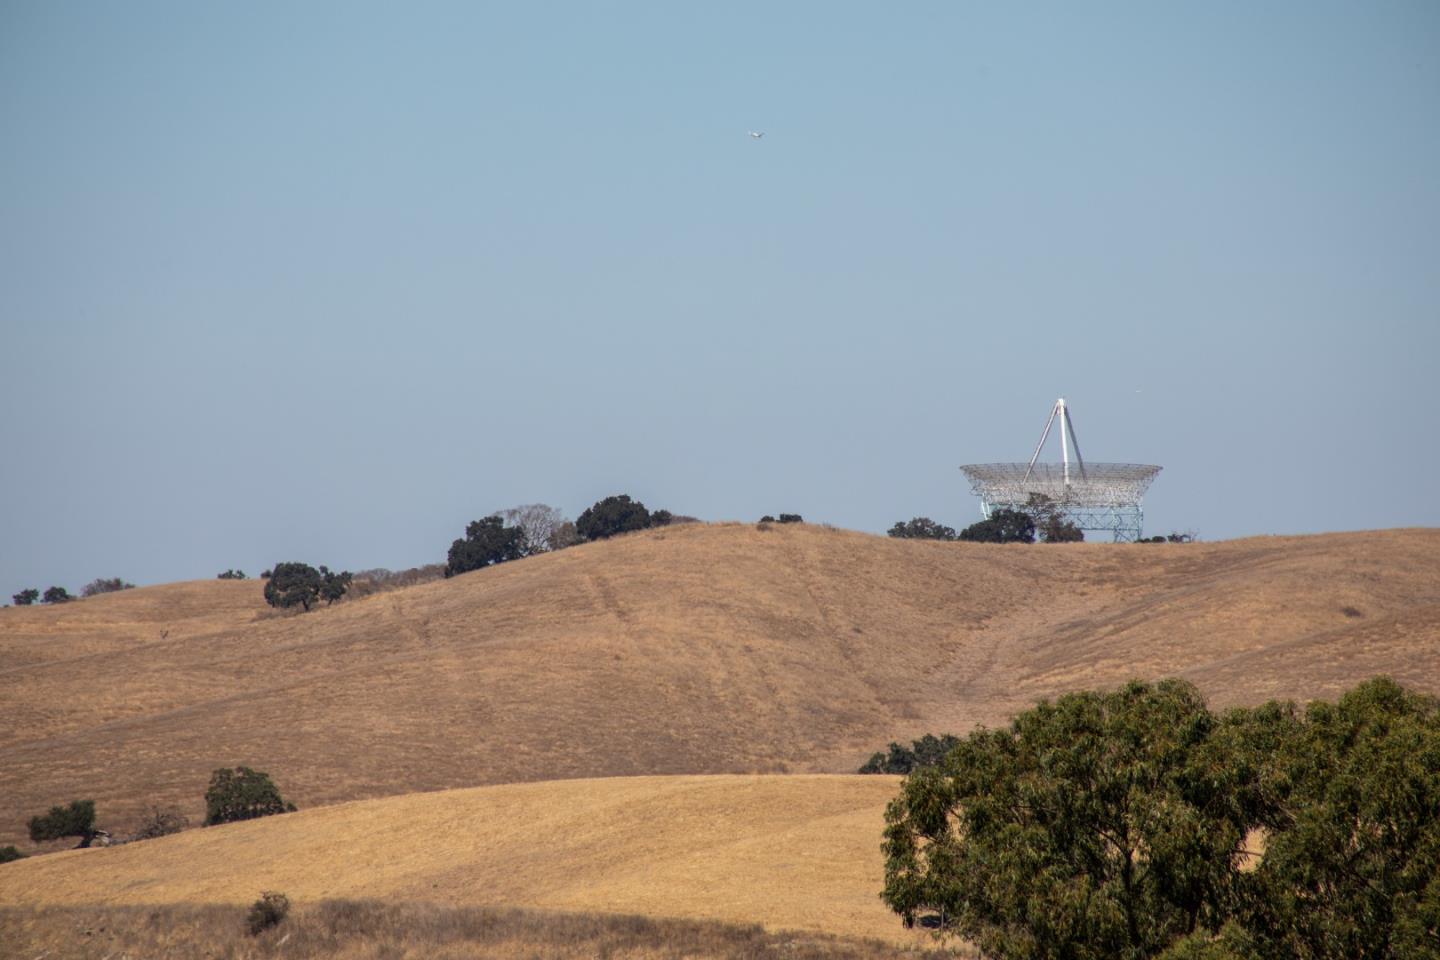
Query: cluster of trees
[
  {"x": 1138, "y": 823},
  {"x": 299, "y": 584},
  {"x": 95, "y": 587},
  {"x": 1041, "y": 516},
  {"x": 928, "y": 751},
  {"x": 505, "y": 535},
  {"x": 783, "y": 518},
  {"x": 537, "y": 528},
  {"x": 233, "y": 795},
  {"x": 29, "y": 595}
]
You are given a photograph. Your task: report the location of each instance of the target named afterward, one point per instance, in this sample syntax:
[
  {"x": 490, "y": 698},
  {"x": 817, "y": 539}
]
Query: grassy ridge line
[
  {"x": 795, "y": 852},
  {"x": 699, "y": 649},
  {"x": 371, "y": 930}
]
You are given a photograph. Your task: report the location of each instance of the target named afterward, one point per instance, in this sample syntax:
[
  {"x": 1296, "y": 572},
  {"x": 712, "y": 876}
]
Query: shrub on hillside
[
  {"x": 267, "y": 912},
  {"x": 56, "y": 595},
  {"x": 9, "y": 854},
  {"x": 565, "y": 535},
  {"x": 160, "y": 822},
  {"x": 75, "y": 820},
  {"x": 1003, "y": 526},
  {"x": 26, "y": 597},
  {"x": 102, "y": 585},
  {"x": 790, "y": 518},
  {"x": 928, "y": 751},
  {"x": 611, "y": 516},
  {"x": 242, "y": 794},
  {"x": 380, "y": 580},
  {"x": 231, "y": 575},
  {"x": 921, "y": 528},
  {"x": 486, "y": 543}
]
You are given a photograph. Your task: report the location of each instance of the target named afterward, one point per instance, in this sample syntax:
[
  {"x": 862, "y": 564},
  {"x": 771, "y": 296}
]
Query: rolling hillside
[
  {"x": 791, "y": 852},
  {"x": 688, "y": 650}
]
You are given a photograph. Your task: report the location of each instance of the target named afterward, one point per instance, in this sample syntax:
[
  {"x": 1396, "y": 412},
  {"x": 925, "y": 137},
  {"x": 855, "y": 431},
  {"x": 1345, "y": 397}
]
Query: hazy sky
[{"x": 325, "y": 281}]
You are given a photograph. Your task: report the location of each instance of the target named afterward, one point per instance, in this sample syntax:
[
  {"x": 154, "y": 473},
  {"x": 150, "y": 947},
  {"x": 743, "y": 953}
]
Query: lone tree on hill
[
  {"x": 26, "y": 597},
  {"x": 921, "y": 528},
  {"x": 291, "y": 584},
  {"x": 487, "y": 542},
  {"x": 242, "y": 794},
  {"x": 76, "y": 820},
  {"x": 617, "y": 514},
  {"x": 1004, "y": 526},
  {"x": 56, "y": 595}
]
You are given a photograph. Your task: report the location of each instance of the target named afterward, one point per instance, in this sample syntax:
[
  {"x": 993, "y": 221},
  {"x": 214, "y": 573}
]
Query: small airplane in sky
[{"x": 757, "y": 134}]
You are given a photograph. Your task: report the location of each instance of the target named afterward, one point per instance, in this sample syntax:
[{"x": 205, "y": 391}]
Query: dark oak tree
[
  {"x": 75, "y": 820},
  {"x": 611, "y": 516},
  {"x": 486, "y": 543}
]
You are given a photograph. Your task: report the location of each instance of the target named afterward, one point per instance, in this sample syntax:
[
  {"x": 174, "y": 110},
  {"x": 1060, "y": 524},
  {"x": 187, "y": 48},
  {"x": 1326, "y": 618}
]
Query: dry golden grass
[
  {"x": 693, "y": 649},
  {"x": 795, "y": 852},
  {"x": 368, "y": 930}
]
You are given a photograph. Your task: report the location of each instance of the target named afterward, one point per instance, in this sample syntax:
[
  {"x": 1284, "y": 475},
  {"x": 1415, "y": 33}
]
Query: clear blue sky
[{"x": 324, "y": 281}]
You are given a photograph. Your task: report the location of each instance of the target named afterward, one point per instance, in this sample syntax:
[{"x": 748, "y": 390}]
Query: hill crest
[{"x": 683, "y": 650}]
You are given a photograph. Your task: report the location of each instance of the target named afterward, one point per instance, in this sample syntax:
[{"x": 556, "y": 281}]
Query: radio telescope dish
[{"x": 1096, "y": 497}]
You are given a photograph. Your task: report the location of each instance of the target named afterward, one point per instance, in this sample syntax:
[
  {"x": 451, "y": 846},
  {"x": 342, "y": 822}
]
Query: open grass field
[
  {"x": 789, "y": 852},
  {"x": 695, "y": 649}
]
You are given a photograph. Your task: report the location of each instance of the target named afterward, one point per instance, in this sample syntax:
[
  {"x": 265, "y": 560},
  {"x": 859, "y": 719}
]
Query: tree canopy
[
  {"x": 242, "y": 794},
  {"x": 299, "y": 584},
  {"x": 292, "y": 584},
  {"x": 75, "y": 820},
  {"x": 486, "y": 543},
  {"x": 928, "y": 751},
  {"x": 1116, "y": 825},
  {"x": 26, "y": 597},
  {"x": 611, "y": 516},
  {"x": 921, "y": 528},
  {"x": 1003, "y": 526}
]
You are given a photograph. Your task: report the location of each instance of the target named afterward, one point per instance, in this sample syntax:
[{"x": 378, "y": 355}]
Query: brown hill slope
[
  {"x": 697, "y": 649},
  {"x": 796, "y": 852}
]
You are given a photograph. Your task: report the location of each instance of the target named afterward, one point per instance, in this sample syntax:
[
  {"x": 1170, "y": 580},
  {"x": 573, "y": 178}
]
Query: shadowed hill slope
[
  {"x": 694, "y": 649},
  {"x": 797, "y": 852}
]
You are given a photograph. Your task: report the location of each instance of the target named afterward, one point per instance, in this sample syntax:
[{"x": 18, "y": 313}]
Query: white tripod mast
[{"x": 1067, "y": 431}]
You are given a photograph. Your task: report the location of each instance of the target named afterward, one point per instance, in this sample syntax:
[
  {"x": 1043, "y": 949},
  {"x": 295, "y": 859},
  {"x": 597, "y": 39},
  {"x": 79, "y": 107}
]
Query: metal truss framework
[{"x": 1098, "y": 497}]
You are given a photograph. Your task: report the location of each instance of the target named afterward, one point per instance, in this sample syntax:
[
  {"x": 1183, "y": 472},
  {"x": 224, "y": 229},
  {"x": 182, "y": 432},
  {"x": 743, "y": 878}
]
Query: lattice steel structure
[{"x": 1096, "y": 497}]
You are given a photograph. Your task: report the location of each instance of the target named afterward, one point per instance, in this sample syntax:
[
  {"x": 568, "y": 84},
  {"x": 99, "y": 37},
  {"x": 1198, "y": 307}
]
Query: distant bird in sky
[{"x": 757, "y": 134}]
